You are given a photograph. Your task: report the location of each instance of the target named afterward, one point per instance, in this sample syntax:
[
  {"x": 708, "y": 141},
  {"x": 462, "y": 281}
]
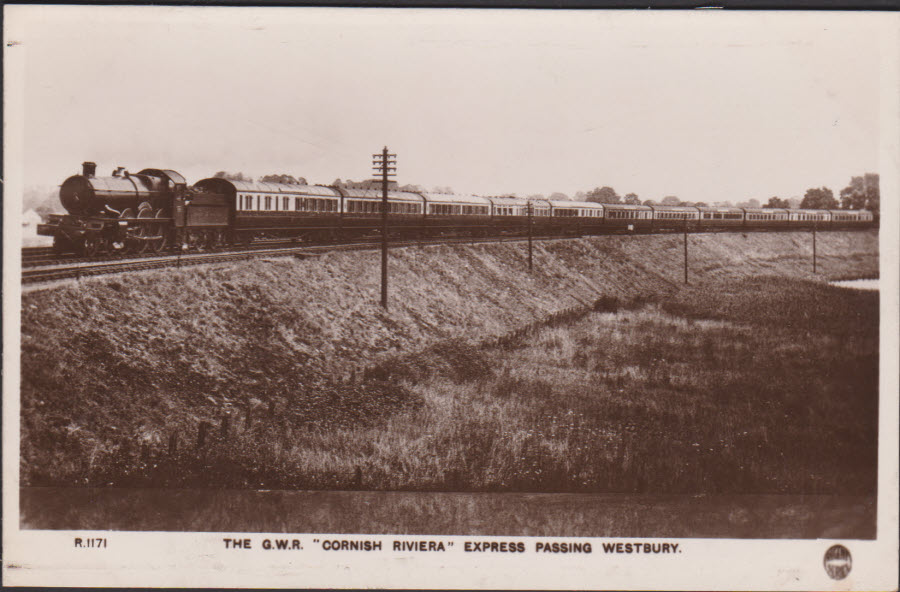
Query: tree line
[{"x": 862, "y": 193}]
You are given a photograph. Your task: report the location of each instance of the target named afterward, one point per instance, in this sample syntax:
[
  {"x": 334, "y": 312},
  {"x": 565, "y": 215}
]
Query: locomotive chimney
[{"x": 88, "y": 169}]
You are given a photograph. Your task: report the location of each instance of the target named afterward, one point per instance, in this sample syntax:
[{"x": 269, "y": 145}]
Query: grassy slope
[{"x": 151, "y": 355}]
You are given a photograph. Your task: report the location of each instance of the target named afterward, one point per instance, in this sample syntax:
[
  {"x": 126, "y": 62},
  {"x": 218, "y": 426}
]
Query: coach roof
[
  {"x": 455, "y": 198},
  {"x": 261, "y": 187},
  {"x": 376, "y": 194}
]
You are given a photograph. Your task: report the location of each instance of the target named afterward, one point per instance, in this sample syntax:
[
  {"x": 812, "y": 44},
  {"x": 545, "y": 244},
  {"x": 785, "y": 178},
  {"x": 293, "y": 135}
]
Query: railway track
[
  {"x": 60, "y": 269},
  {"x": 37, "y": 266},
  {"x": 38, "y": 256}
]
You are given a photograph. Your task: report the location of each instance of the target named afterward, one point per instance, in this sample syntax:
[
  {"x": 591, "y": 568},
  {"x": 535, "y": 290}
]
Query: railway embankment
[{"x": 270, "y": 373}]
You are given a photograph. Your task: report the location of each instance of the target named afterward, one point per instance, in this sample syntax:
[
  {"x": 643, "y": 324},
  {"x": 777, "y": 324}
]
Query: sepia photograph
[{"x": 480, "y": 294}]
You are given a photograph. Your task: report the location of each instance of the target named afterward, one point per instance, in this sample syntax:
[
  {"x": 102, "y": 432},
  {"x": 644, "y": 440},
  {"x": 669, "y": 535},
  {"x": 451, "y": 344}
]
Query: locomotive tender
[{"x": 154, "y": 209}]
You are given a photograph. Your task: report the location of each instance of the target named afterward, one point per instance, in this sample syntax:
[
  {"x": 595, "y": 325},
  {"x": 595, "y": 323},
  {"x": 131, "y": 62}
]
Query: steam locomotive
[{"x": 154, "y": 209}]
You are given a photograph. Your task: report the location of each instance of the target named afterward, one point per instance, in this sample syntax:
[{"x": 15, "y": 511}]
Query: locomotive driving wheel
[
  {"x": 158, "y": 231},
  {"x": 144, "y": 231}
]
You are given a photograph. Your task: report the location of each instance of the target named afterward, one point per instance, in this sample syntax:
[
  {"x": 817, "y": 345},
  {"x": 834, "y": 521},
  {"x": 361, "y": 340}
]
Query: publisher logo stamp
[{"x": 838, "y": 562}]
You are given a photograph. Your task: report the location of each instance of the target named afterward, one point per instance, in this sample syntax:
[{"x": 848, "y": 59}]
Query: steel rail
[{"x": 77, "y": 270}]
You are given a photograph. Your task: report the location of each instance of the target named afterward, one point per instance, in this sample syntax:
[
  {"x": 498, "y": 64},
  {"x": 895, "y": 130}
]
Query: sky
[{"x": 707, "y": 106}]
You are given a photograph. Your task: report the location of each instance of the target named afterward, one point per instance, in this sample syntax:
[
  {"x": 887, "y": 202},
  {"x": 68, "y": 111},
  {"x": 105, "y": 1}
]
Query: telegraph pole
[
  {"x": 382, "y": 166},
  {"x": 815, "y": 224},
  {"x": 529, "y": 235},
  {"x": 685, "y": 248}
]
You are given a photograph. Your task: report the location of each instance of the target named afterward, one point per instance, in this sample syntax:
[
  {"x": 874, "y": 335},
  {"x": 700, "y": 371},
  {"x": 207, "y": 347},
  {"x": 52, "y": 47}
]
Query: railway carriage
[
  {"x": 767, "y": 218},
  {"x": 509, "y": 215},
  {"x": 270, "y": 210},
  {"x": 362, "y": 209},
  {"x": 810, "y": 218},
  {"x": 577, "y": 217},
  {"x": 718, "y": 217},
  {"x": 675, "y": 217},
  {"x": 850, "y": 218},
  {"x": 449, "y": 212},
  {"x": 627, "y": 217}
]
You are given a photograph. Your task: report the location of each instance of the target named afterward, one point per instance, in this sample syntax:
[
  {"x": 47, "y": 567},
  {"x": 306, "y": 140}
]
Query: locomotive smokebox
[{"x": 88, "y": 169}]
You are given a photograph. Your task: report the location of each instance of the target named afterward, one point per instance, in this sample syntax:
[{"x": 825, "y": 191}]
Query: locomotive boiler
[{"x": 89, "y": 195}]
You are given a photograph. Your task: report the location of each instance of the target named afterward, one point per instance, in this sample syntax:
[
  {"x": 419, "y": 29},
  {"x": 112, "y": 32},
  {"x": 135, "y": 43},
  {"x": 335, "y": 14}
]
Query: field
[{"x": 284, "y": 375}]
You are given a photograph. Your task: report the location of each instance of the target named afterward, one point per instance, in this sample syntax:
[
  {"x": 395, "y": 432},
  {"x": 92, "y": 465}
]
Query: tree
[
  {"x": 285, "y": 179},
  {"x": 750, "y": 203},
  {"x": 863, "y": 193},
  {"x": 701, "y": 204},
  {"x": 557, "y": 196},
  {"x": 670, "y": 200},
  {"x": 232, "y": 176},
  {"x": 819, "y": 198},
  {"x": 603, "y": 195},
  {"x": 649, "y": 202},
  {"x": 632, "y": 198},
  {"x": 777, "y": 202}
]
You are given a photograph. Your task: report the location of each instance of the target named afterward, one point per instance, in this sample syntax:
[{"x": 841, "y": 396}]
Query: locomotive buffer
[{"x": 383, "y": 169}]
